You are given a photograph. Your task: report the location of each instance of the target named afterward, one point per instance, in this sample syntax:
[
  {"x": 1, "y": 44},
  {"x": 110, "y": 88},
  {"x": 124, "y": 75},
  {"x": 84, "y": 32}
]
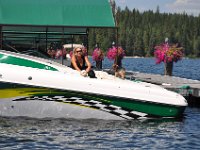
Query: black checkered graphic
[{"x": 116, "y": 110}]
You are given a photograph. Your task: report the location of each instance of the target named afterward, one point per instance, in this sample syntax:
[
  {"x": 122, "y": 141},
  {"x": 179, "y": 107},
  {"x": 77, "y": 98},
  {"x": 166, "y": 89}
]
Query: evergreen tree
[{"x": 138, "y": 33}]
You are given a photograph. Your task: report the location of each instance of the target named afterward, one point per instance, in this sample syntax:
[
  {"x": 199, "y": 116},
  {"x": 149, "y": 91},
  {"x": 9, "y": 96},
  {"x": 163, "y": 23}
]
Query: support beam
[{"x": 1, "y": 38}]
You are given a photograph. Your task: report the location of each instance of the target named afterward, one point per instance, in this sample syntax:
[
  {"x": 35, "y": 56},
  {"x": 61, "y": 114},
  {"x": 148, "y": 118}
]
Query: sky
[{"x": 191, "y": 7}]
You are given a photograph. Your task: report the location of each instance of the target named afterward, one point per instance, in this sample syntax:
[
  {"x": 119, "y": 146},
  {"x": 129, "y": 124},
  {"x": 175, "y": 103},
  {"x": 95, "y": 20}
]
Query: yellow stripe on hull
[{"x": 15, "y": 92}]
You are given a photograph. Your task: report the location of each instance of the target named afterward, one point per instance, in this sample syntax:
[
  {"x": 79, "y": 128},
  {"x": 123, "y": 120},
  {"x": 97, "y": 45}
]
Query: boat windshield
[
  {"x": 31, "y": 52},
  {"x": 35, "y": 53}
]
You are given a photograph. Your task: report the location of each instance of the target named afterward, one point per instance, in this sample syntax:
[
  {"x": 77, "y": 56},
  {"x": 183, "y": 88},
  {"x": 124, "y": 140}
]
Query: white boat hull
[{"x": 23, "y": 87}]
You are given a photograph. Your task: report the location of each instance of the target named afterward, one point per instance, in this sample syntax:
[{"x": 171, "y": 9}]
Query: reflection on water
[{"x": 26, "y": 133}]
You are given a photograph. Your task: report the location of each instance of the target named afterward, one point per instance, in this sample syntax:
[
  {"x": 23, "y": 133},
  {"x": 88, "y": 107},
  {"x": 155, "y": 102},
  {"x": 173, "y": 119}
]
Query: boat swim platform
[{"x": 188, "y": 88}]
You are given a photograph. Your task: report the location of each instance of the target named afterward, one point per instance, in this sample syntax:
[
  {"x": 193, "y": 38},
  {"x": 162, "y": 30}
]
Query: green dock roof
[{"x": 68, "y": 13}]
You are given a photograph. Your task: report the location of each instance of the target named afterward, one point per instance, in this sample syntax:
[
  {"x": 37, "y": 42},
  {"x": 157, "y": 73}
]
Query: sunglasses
[{"x": 79, "y": 51}]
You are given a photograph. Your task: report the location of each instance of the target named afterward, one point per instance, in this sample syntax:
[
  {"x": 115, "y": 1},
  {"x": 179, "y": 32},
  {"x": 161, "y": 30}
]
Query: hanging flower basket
[
  {"x": 168, "y": 54},
  {"x": 114, "y": 52},
  {"x": 97, "y": 55}
]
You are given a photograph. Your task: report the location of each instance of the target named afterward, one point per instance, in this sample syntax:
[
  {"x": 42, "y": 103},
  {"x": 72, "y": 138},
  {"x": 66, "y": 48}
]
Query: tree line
[{"x": 139, "y": 32}]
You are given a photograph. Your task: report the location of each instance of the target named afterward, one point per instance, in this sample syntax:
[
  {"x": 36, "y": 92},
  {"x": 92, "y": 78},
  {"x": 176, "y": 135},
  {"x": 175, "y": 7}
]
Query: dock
[{"x": 189, "y": 88}]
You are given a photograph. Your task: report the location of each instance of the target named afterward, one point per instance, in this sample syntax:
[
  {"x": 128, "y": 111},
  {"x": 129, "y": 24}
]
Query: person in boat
[{"x": 81, "y": 63}]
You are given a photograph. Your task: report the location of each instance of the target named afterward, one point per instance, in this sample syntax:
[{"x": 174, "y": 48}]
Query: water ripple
[{"x": 27, "y": 133}]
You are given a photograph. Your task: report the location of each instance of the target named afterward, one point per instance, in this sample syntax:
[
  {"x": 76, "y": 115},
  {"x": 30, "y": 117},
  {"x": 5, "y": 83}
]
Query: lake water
[
  {"x": 184, "y": 133},
  {"x": 186, "y": 68}
]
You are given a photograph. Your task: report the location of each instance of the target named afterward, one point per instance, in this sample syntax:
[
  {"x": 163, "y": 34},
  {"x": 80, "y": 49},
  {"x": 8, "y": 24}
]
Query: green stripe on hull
[
  {"x": 156, "y": 109},
  {"x": 24, "y": 62},
  {"x": 153, "y": 109}
]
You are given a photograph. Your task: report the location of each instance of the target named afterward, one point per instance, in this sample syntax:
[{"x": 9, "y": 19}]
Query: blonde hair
[{"x": 74, "y": 51}]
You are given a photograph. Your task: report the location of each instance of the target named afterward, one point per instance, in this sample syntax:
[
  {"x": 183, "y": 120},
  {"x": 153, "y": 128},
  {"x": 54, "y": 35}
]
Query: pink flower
[
  {"x": 97, "y": 55},
  {"x": 113, "y": 52},
  {"x": 166, "y": 53},
  {"x": 60, "y": 53}
]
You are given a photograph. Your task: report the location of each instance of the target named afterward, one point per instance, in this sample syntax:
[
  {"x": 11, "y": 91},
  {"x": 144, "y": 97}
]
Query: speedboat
[{"x": 35, "y": 87}]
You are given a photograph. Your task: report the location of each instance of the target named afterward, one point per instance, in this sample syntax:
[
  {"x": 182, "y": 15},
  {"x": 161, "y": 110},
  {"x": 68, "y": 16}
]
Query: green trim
[
  {"x": 24, "y": 62},
  {"x": 153, "y": 109},
  {"x": 156, "y": 109}
]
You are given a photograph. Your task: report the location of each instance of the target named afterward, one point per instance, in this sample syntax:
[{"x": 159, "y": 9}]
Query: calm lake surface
[
  {"x": 184, "y": 133},
  {"x": 186, "y": 68}
]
